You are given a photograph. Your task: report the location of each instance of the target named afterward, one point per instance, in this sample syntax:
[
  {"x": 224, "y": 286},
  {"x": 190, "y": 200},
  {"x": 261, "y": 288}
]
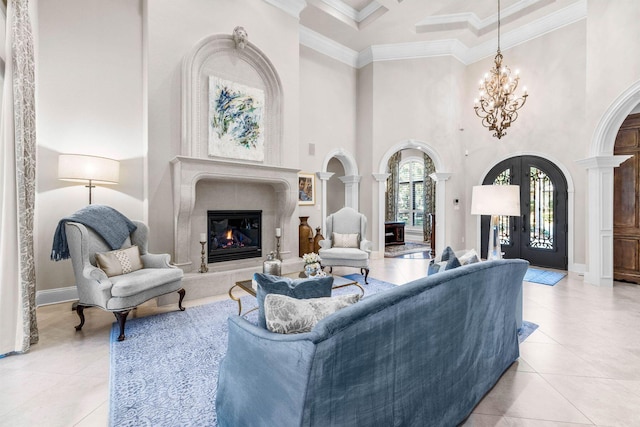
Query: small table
[{"x": 246, "y": 285}]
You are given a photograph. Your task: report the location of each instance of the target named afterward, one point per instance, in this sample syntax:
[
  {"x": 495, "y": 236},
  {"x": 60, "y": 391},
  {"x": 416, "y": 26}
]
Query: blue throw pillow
[
  {"x": 447, "y": 254},
  {"x": 294, "y": 288}
]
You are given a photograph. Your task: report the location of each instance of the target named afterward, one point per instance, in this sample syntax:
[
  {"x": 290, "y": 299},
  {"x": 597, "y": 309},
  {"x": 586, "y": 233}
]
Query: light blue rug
[
  {"x": 166, "y": 372},
  {"x": 526, "y": 330},
  {"x": 543, "y": 277}
]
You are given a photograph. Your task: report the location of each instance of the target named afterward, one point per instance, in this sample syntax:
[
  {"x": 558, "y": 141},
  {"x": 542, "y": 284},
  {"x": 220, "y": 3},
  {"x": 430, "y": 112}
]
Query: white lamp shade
[
  {"x": 82, "y": 168},
  {"x": 495, "y": 200}
]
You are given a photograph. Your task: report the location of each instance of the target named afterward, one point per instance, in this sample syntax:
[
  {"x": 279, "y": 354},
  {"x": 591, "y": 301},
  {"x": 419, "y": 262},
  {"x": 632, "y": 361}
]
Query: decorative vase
[
  {"x": 305, "y": 237},
  {"x": 311, "y": 270},
  {"x": 272, "y": 265},
  {"x": 316, "y": 240}
]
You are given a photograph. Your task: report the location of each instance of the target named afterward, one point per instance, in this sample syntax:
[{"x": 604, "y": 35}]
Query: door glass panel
[
  {"x": 504, "y": 230},
  {"x": 541, "y": 209}
]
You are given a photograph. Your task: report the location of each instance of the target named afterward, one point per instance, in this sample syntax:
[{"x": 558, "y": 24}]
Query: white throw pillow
[
  {"x": 469, "y": 258},
  {"x": 286, "y": 315},
  {"x": 346, "y": 240},
  {"x": 120, "y": 261}
]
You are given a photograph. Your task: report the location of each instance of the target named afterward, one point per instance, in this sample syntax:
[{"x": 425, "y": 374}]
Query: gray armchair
[
  {"x": 122, "y": 293},
  {"x": 349, "y": 252}
]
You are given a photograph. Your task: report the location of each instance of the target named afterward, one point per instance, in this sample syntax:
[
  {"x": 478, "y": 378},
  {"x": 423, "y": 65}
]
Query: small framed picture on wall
[{"x": 306, "y": 189}]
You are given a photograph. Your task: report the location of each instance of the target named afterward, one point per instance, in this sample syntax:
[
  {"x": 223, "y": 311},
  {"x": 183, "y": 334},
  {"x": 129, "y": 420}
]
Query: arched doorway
[
  {"x": 411, "y": 194},
  {"x": 540, "y": 234}
]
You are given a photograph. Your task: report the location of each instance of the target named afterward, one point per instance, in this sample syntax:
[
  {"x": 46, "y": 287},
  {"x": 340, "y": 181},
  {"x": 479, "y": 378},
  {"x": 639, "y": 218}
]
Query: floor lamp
[
  {"x": 495, "y": 200},
  {"x": 90, "y": 169}
]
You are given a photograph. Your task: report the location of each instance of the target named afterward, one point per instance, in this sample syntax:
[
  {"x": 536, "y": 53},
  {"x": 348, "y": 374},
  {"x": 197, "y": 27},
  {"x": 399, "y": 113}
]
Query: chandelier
[{"x": 498, "y": 105}]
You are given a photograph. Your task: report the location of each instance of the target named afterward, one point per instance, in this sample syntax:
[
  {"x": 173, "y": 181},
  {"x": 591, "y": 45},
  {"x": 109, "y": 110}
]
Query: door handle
[{"x": 524, "y": 229}]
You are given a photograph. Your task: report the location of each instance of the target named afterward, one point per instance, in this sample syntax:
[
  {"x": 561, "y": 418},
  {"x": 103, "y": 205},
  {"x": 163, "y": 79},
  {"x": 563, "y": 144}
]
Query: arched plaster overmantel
[
  {"x": 246, "y": 66},
  {"x": 570, "y": 201},
  {"x": 600, "y": 168},
  {"x": 187, "y": 172},
  {"x": 441, "y": 178}
]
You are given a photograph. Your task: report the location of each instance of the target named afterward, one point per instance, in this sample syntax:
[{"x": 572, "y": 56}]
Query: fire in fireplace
[{"x": 234, "y": 235}]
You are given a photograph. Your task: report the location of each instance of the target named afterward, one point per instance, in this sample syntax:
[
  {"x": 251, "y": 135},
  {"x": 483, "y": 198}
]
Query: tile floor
[{"x": 580, "y": 367}]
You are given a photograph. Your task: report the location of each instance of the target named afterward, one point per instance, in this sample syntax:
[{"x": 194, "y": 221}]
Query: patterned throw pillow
[
  {"x": 286, "y": 315},
  {"x": 469, "y": 258},
  {"x": 346, "y": 240},
  {"x": 294, "y": 288},
  {"x": 120, "y": 261}
]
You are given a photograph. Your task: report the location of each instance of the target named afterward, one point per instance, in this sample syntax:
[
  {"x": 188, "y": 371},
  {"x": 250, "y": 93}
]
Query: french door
[{"x": 539, "y": 234}]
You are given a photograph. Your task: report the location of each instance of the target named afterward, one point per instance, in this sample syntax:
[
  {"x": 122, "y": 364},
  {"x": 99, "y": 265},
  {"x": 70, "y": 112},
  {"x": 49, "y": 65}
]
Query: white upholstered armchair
[
  {"x": 118, "y": 293},
  {"x": 346, "y": 244}
]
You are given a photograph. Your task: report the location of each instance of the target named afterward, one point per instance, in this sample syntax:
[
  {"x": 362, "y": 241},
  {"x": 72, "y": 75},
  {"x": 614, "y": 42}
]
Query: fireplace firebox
[{"x": 234, "y": 235}]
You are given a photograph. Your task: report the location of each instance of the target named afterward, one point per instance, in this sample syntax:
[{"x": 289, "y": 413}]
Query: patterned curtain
[
  {"x": 18, "y": 326},
  {"x": 393, "y": 187},
  {"x": 429, "y": 195}
]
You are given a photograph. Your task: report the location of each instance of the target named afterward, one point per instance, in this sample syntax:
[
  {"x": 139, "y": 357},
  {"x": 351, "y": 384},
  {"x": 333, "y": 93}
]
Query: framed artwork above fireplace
[{"x": 236, "y": 120}]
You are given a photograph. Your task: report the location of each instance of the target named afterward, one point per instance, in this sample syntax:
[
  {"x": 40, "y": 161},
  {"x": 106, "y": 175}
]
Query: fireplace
[{"x": 234, "y": 235}]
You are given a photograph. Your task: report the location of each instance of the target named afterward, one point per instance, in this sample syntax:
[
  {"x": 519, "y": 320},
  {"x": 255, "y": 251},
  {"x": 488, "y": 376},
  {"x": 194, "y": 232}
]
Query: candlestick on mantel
[
  {"x": 203, "y": 237},
  {"x": 278, "y": 232}
]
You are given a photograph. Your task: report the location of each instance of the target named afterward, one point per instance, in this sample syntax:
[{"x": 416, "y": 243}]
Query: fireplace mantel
[{"x": 186, "y": 172}]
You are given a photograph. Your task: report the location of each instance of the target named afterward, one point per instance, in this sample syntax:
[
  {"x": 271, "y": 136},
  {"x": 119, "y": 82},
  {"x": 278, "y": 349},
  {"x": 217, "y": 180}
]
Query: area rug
[
  {"x": 393, "y": 251},
  {"x": 166, "y": 372},
  {"x": 526, "y": 330},
  {"x": 544, "y": 277}
]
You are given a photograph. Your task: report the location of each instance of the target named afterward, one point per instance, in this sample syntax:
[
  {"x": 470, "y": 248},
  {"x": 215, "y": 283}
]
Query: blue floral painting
[{"x": 236, "y": 128}]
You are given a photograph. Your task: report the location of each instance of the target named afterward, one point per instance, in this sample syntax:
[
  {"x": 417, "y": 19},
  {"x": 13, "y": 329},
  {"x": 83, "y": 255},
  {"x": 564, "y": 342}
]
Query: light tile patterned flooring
[{"x": 580, "y": 367}]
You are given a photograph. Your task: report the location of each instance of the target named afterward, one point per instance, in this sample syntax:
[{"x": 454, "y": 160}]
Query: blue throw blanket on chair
[{"x": 104, "y": 220}]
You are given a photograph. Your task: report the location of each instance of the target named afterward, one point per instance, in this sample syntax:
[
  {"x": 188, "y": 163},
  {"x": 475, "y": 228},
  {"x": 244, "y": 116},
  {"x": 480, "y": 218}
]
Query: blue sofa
[{"x": 422, "y": 354}]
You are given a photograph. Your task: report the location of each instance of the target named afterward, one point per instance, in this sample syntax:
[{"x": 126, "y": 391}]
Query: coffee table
[{"x": 247, "y": 286}]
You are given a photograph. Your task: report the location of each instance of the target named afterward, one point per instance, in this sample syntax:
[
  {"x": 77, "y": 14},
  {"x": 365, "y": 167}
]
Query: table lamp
[
  {"x": 495, "y": 200},
  {"x": 91, "y": 169}
]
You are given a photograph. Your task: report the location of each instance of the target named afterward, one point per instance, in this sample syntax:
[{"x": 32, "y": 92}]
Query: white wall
[
  {"x": 552, "y": 124},
  {"x": 174, "y": 28},
  {"x": 328, "y": 120},
  {"x": 89, "y": 101}
]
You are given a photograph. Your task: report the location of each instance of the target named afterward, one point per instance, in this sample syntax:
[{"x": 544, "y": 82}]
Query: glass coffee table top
[{"x": 249, "y": 287}]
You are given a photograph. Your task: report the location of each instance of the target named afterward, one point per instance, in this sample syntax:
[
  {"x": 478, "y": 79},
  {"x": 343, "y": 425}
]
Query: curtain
[
  {"x": 429, "y": 195},
  {"x": 18, "y": 326},
  {"x": 393, "y": 187}
]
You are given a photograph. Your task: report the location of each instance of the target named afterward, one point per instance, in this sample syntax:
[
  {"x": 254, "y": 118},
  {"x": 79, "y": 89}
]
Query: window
[{"x": 411, "y": 192}]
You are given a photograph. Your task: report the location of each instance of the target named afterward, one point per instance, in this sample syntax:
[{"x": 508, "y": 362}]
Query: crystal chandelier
[{"x": 498, "y": 105}]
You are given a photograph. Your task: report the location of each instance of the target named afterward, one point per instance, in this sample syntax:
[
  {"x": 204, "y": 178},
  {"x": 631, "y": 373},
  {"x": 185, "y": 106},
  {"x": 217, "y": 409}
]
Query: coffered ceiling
[{"x": 366, "y": 29}]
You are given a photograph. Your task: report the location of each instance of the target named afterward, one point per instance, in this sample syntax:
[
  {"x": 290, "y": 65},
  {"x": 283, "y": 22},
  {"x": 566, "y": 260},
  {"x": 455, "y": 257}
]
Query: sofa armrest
[
  {"x": 325, "y": 244},
  {"x": 156, "y": 261},
  {"x": 281, "y": 362},
  {"x": 366, "y": 245}
]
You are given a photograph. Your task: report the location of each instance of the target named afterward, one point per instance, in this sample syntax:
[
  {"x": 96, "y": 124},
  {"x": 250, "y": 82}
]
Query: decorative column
[
  {"x": 324, "y": 177},
  {"x": 378, "y": 233},
  {"x": 600, "y": 218},
  {"x": 440, "y": 178},
  {"x": 351, "y": 190}
]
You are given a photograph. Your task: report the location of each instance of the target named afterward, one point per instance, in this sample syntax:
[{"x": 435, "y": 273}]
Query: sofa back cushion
[{"x": 294, "y": 288}]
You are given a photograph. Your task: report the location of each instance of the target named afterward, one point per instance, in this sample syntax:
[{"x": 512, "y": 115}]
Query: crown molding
[
  {"x": 328, "y": 47},
  {"x": 561, "y": 18},
  {"x": 472, "y": 20},
  {"x": 291, "y": 7},
  {"x": 426, "y": 49},
  {"x": 355, "y": 15},
  {"x": 449, "y": 47}
]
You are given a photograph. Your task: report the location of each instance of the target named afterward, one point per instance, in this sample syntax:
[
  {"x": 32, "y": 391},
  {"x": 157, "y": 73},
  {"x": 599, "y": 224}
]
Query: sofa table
[{"x": 248, "y": 287}]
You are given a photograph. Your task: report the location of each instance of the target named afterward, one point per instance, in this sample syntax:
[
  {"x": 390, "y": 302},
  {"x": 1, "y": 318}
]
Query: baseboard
[{"x": 56, "y": 296}]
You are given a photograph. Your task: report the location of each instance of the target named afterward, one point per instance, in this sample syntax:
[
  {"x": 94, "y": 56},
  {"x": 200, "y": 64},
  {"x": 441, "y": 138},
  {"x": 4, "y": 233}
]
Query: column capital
[
  {"x": 351, "y": 179},
  {"x": 324, "y": 176},
  {"x": 598, "y": 162},
  {"x": 440, "y": 176},
  {"x": 380, "y": 177}
]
